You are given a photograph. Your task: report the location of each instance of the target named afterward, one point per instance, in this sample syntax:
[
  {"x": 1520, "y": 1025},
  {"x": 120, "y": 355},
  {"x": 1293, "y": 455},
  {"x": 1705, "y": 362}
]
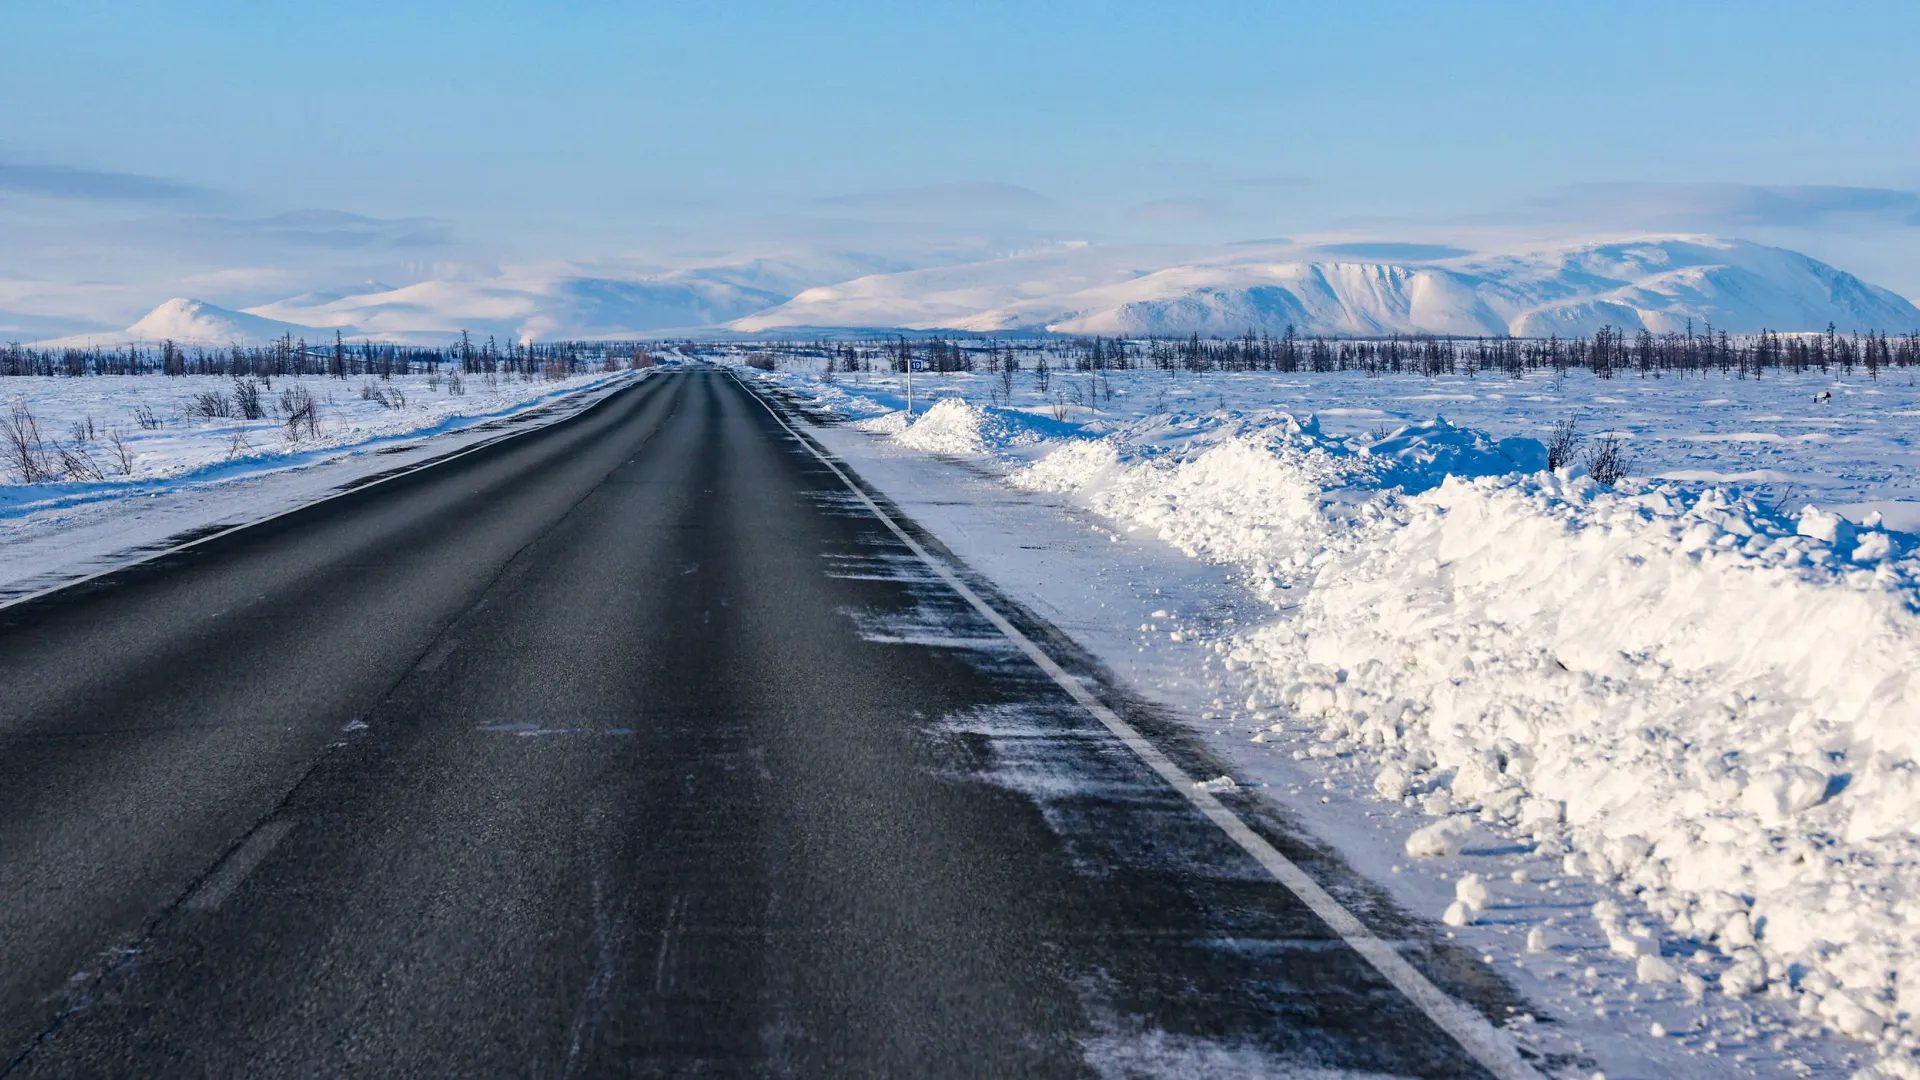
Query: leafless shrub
[
  {"x": 1564, "y": 444},
  {"x": 83, "y": 430},
  {"x": 246, "y": 398},
  {"x": 456, "y": 385},
  {"x": 122, "y": 450},
  {"x": 146, "y": 418},
  {"x": 300, "y": 412},
  {"x": 433, "y": 379},
  {"x": 238, "y": 445},
  {"x": 210, "y": 405},
  {"x": 25, "y": 452},
  {"x": 1059, "y": 405},
  {"x": 389, "y": 397},
  {"x": 761, "y": 361},
  {"x": 77, "y": 464},
  {"x": 641, "y": 358},
  {"x": 1608, "y": 460}
]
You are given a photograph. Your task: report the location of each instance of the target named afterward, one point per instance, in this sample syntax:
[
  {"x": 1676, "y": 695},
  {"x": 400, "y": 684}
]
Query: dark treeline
[
  {"x": 1607, "y": 353},
  {"x": 338, "y": 359}
]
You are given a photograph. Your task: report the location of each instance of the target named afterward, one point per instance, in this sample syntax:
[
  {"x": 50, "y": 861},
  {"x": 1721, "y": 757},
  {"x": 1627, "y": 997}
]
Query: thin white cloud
[
  {"x": 1174, "y": 210},
  {"x": 942, "y": 199},
  {"x": 70, "y": 182},
  {"x": 1723, "y": 206}
]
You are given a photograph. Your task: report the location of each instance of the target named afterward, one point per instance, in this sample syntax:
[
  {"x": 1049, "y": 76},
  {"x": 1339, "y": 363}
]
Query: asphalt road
[{"x": 633, "y": 745}]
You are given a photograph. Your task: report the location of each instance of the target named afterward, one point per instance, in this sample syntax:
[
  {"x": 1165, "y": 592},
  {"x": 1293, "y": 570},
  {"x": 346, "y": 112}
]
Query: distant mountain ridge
[
  {"x": 183, "y": 320},
  {"x": 1659, "y": 284}
]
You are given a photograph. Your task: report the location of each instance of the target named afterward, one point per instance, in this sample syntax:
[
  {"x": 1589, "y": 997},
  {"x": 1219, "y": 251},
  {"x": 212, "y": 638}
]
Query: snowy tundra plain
[
  {"x": 1651, "y": 745},
  {"x": 134, "y": 460}
]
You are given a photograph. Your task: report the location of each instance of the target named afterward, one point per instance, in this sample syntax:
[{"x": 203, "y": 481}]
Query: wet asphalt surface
[{"x": 629, "y": 746}]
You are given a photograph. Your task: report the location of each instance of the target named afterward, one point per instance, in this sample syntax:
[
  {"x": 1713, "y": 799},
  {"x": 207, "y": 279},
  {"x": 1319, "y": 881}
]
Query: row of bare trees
[
  {"x": 1607, "y": 353},
  {"x": 290, "y": 356}
]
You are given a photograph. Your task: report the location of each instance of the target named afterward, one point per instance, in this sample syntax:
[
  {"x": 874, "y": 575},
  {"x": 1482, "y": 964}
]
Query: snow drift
[{"x": 1702, "y": 703}]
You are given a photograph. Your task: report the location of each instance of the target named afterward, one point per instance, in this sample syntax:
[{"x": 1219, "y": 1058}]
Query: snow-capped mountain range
[{"x": 1659, "y": 283}]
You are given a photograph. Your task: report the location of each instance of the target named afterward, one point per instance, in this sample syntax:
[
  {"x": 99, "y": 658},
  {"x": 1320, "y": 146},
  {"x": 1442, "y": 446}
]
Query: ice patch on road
[{"x": 1160, "y": 1054}]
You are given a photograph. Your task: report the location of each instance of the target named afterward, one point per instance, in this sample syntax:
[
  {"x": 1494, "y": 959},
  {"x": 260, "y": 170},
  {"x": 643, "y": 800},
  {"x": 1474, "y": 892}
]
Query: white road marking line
[
  {"x": 1480, "y": 1039},
  {"x": 227, "y": 877},
  {"x": 230, "y": 530}
]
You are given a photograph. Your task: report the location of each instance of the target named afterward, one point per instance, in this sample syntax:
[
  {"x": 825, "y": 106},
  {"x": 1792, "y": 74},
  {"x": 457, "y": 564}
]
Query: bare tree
[
  {"x": 210, "y": 405},
  {"x": 26, "y": 453},
  {"x": 122, "y": 451},
  {"x": 246, "y": 398},
  {"x": 301, "y": 412},
  {"x": 1608, "y": 460},
  {"x": 1565, "y": 442},
  {"x": 77, "y": 464}
]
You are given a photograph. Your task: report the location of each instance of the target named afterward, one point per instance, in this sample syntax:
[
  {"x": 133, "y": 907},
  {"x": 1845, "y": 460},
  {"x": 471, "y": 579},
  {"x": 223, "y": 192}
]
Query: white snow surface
[
  {"x": 190, "y": 473},
  {"x": 1659, "y": 283},
  {"x": 1701, "y": 700}
]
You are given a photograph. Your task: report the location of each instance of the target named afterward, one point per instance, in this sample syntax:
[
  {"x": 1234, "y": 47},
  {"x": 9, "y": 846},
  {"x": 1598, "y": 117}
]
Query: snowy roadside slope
[
  {"x": 1709, "y": 707},
  {"x": 195, "y": 475},
  {"x": 1706, "y": 709}
]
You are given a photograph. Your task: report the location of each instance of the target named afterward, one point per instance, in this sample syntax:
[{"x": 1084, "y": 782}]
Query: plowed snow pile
[
  {"x": 1711, "y": 708},
  {"x": 1708, "y": 707},
  {"x": 956, "y": 428}
]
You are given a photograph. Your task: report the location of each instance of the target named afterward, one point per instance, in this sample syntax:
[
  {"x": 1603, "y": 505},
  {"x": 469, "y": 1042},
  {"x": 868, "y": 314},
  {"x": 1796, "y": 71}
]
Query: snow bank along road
[{"x": 634, "y": 744}]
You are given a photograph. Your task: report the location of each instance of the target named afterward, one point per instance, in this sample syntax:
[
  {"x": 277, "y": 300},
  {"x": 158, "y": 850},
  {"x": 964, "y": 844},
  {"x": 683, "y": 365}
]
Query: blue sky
[{"x": 144, "y": 139}]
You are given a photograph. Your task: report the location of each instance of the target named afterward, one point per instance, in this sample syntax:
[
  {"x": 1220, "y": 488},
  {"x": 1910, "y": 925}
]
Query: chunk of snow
[
  {"x": 1440, "y": 839},
  {"x": 1622, "y": 944},
  {"x": 1822, "y": 525},
  {"x": 1778, "y": 794},
  {"x": 1392, "y": 782},
  {"x": 1653, "y": 968},
  {"x": 1471, "y": 890},
  {"x": 1849, "y": 1016}
]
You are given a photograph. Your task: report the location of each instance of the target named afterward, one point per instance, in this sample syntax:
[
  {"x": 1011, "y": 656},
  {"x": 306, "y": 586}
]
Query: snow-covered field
[
  {"x": 183, "y": 472},
  {"x": 1654, "y": 745},
  {"x": 177, "y": 445}
]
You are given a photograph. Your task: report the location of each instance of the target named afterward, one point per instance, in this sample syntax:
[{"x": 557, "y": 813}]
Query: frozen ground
[
  {"x": 1651, "y": 747},
  {"x": 193, "y": 475}
]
